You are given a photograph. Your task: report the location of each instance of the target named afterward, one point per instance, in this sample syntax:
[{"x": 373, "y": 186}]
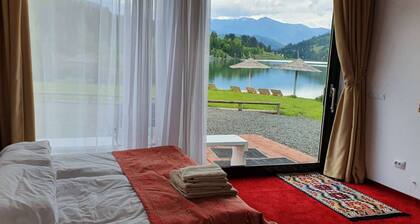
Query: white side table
[{"x": 240, "y": 146}]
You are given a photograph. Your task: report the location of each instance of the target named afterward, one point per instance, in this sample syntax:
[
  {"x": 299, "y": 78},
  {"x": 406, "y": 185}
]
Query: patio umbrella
[
  {"x": 249, "y": 63},
  {"x": 298, "y": 65}
]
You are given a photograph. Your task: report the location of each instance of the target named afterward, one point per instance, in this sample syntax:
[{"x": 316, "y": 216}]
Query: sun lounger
[
  {"x": 235, "y": 89},
  {"x": 264, "y": 92},
  {"x": 276, "y": 92},
  {"x": 212, "y": 86},
  {"x": 251, "y": 90}
]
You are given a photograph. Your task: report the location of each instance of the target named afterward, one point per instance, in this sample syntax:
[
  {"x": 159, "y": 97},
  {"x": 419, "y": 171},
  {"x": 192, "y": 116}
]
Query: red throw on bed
[{"x": 148, "y": 172}]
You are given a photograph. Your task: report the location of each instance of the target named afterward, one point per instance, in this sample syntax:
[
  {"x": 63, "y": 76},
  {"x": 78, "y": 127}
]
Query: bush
[{"x": 320, "y": 98}]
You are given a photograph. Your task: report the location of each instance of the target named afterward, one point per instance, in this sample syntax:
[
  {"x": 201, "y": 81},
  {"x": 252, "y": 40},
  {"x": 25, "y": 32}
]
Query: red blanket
[{"x": 148, "y": 172}]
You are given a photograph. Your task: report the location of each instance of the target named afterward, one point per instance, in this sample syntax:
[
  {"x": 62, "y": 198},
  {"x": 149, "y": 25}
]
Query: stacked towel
[{"x": 201, "y": 181}]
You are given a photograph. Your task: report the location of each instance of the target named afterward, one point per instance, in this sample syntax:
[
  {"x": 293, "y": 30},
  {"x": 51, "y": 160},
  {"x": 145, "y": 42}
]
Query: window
[
  {"x": 269, "y": 73},
  {"x": 76, "y": 51},
  {"x": 111, "y": 74}
]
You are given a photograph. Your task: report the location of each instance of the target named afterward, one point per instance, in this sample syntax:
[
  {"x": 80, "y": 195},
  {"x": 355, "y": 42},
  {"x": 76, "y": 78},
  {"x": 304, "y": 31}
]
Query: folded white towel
[
  {"x": 199, "y": 186},
  {"x": 194, "y": 174},
  {"x": 204, "y": 194}
]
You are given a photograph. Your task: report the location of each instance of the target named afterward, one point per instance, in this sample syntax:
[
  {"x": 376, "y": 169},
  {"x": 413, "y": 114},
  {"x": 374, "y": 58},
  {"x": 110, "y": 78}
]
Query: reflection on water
[{"x": 309, "y": 85}]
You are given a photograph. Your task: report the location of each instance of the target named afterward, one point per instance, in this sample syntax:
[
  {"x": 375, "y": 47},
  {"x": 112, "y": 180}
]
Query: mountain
[
  {"x": 283, "y": 33},
  {"x": 275, "y": 45},
  {"x": 316, "y": 48}
]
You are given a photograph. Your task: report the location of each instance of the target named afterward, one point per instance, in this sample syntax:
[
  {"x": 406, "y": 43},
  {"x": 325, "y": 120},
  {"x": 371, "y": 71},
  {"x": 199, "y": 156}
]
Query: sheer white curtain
[
  {"x": 138, "y": 71},
  {"x": 182, "y": 88},
  {"x": 77, "y": 73},
  {"x": 120, "y": 74}
]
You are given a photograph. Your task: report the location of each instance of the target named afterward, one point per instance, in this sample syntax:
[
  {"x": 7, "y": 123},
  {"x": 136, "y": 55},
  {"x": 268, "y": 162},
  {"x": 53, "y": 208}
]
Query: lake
[{"x": 308, "y": 85}]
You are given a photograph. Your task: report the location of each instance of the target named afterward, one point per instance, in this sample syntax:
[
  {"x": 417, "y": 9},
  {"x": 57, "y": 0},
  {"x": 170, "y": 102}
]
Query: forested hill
[
  {"x": 267, "y": 28},
  {"x": 238, "y": 46},
  {"x": 316, "y": 48},
  {"x": 244, "y": 46}
]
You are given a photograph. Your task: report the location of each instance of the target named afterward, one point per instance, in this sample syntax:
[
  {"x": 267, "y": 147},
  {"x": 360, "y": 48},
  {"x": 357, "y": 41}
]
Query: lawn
[
  {"x": 268, "y": 56},
  {"x": 289, "y": 106}
]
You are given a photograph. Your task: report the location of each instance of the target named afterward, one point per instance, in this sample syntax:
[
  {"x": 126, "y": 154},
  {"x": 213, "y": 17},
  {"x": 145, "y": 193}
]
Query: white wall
[{"x": 393, "y": 123}]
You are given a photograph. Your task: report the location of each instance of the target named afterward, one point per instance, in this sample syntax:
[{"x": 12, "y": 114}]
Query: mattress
[
  {"x": 40, "y": 188},
  {"x": 92, "y": 189},
  {"x": 85, "y": 165}
]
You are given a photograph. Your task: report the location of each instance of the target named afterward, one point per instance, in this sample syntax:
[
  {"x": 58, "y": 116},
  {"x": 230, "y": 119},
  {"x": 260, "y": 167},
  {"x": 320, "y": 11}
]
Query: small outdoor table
[{"x": 240, "y": 146}]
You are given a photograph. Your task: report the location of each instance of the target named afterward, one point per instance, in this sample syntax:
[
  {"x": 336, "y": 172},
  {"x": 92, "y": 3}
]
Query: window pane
[
  {"x": 76, "y": 72},
  {"x": 288, "y": 42}
]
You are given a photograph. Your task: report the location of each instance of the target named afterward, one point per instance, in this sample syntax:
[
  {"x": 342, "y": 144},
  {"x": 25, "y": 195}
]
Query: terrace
[
  {"x": 291, "y": 137},
  {"x": 268, "y": 148}
]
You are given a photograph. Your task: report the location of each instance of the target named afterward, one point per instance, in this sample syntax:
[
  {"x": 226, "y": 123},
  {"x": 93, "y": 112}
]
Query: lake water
[{"x": 308, "y": 85}]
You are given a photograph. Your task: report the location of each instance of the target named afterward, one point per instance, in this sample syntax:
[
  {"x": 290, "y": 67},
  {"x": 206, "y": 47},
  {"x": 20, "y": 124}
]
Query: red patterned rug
[{"x": 350, "y": 203}]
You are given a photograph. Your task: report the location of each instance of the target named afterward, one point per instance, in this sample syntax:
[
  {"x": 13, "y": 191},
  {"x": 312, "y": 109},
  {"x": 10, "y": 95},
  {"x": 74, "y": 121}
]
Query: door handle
[{"x": 333, "y": 93}]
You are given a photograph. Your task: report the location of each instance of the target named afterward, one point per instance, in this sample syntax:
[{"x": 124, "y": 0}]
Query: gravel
[{"x": 296, "y": 132}]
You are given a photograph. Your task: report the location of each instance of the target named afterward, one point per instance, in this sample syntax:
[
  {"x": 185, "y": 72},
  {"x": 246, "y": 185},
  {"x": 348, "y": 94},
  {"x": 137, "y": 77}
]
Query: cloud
[{"x": 314, "y": 13}]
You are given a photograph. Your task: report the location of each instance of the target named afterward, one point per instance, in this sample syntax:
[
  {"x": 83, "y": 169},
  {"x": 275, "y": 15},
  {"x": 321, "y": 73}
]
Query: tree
[
  {"x": 231, "y": 45},
  {"x": 230, "y": 36},
  {"x": 253, "y": 42}
]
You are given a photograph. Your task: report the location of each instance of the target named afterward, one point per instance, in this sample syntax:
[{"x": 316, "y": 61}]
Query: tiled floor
[{"x": 270, "y": 148}]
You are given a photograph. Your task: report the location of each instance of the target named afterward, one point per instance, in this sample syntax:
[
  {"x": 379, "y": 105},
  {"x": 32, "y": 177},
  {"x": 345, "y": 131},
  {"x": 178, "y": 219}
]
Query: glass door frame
[{"x": 331, "y": 95}]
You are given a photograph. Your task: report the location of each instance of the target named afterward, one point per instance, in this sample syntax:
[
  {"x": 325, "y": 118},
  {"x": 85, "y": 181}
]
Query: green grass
[
  {"x": 77, "y": 92},
  {"x": 74, "y": 88},
  {"x": 268, "y": 56},
  {"x": 289, "y": 106}
]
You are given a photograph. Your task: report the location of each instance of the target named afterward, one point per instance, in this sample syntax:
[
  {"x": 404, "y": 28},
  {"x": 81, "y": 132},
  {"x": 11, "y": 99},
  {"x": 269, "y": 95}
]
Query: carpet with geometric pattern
[{"x": 344, "y": 200}]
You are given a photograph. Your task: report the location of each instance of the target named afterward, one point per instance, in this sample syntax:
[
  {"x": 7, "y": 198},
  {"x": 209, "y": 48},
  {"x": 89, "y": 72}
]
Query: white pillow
[
  {"x": 42, "y": 146},
  {"x": 27, "y": 194},
  {"x": 85, "y": 165},
  {"x": 29, "y": 153}
]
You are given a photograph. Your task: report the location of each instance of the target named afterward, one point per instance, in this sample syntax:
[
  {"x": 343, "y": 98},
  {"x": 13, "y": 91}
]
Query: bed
[{"x": 36, "y": 187}]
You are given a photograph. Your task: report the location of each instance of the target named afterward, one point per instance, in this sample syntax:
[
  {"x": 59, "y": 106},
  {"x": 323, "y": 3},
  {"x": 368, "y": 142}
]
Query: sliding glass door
[
  {"x": 272, "y": 84},
  {"x": 76, "y": 49}
]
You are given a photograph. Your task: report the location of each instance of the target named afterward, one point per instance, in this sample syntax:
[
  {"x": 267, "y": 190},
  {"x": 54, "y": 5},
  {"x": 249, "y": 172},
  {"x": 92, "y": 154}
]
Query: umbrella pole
[
  {"x": 294, "y": 88},
  {"x": 249, "y": 78}
]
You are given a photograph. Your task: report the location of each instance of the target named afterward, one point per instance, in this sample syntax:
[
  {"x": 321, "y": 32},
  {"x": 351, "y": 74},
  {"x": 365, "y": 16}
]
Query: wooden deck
[{"x": 270, "y": 148}]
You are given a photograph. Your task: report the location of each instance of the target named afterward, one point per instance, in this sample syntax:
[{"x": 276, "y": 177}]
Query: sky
[{"x": 313, "y": 13}]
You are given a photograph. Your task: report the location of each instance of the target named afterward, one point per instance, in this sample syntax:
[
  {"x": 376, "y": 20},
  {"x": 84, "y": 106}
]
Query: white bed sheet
[
  {"x": 92, "y": 189},
  {"x": 85, "y": 165}
]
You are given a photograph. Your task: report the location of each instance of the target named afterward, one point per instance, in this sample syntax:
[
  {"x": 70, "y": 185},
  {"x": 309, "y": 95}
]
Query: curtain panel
[
  {"x": 16, "y": 93},
  {"x": 166, "y": 72},
  {"x": 119, "y": 74},
  {"x": 184, "y": 101},
  {"x": 353, "y": 24}
]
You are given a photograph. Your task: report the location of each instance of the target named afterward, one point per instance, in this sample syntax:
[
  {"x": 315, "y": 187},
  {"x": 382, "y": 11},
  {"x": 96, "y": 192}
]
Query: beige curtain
[
  {"x": 16, "y": 95},
  {"x": 353, "y": 23}
]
